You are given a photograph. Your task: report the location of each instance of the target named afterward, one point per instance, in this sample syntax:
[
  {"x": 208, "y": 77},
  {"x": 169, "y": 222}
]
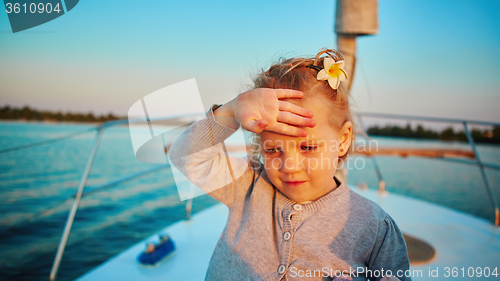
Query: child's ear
[{"x": 345, "y": 138}]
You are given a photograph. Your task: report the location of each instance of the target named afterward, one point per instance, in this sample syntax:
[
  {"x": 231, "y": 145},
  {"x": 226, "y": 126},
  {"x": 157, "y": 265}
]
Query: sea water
[{"x": 37, "y": 185}]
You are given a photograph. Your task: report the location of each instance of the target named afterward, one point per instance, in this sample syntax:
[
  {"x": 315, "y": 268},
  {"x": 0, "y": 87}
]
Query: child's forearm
[{"x": 225, "y": 115}]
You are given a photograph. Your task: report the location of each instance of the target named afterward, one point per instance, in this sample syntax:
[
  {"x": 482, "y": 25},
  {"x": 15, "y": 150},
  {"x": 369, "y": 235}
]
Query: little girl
[{"x": 289, "y": 216}]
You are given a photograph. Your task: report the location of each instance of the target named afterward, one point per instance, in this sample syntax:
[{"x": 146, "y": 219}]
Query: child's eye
[
  {"x": 271, "y": 150},
  {"x": 308, "y": 148}
]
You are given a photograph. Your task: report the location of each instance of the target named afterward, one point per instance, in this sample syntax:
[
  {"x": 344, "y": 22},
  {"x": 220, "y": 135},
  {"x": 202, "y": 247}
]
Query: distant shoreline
[
  {"x": 29, "y": 114},
  {"x": 448, "y": 134},
  {"x": 47, "y": 122}
]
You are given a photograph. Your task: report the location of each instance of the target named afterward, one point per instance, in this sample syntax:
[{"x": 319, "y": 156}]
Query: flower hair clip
[{"x": 333, "y": 71}]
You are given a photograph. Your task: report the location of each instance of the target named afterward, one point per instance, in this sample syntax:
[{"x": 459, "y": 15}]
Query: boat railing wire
[{"x": 76, "y": 197}]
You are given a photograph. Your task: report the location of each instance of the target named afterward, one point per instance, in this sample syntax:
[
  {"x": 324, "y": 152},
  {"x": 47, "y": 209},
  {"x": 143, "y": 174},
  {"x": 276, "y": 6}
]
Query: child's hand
[{"x": 260, "y": 109}]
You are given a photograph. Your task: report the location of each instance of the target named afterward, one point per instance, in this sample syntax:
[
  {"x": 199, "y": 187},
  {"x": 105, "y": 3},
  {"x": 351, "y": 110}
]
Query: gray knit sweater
[{"x": 270, "y": 237}]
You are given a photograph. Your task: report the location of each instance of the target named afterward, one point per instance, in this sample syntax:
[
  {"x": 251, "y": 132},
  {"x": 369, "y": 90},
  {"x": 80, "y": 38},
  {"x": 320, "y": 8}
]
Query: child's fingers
[
  {"x": 289, "y": 130},
  {"x": 287, "y": 93},
  {"x": 294, "y": 119},
  {"x": 255, "y": 126},
  {"x": 290, "y": 107}
]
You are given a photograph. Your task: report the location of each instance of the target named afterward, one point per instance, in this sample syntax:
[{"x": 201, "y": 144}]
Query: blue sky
[{"x": 430, "y": 58}]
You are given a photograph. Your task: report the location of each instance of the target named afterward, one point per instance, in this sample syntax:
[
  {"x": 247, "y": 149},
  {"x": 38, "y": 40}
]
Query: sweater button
[
  {"x": 287, "y": 236},
  {"x": 281, "y": 269},
  {"x": 297, "y": 207}
]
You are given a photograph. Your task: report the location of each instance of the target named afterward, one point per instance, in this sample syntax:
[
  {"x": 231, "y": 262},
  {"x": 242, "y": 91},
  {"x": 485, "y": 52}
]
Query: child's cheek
[{"x": 273, "y": 176}]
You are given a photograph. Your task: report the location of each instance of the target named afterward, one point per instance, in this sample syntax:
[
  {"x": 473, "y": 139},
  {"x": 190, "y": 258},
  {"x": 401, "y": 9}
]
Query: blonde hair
[{"x": 297, "y": 74}]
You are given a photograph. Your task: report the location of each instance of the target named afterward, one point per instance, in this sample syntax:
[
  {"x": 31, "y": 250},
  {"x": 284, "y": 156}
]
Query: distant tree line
[
  {"x": 449, "y": 134},
  {"x": 27, "y": 113}
]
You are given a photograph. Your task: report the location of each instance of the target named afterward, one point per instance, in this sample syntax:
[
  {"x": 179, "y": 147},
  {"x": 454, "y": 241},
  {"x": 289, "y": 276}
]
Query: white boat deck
[
  {"x": 460, "y": 240},
  {"x": 194, "y": 240}
]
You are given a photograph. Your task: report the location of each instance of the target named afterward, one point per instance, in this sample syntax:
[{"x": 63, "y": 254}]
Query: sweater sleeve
[
  {"x": 389, "y": 252},
  {"x": 199, "y": 154}
]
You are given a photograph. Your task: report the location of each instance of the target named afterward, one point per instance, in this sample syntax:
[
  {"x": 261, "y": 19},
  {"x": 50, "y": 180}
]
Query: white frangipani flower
[{"x": 333, "y": 72}]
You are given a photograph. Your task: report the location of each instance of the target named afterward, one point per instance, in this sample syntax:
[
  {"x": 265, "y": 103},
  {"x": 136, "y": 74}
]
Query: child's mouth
[{"x": 294, "y": 183}]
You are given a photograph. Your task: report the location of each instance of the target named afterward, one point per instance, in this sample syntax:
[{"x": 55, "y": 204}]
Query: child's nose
[{"x": 292, "y": 163}]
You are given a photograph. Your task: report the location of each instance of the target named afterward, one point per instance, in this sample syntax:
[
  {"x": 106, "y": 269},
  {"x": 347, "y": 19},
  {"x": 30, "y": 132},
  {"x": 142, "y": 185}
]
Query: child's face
[{"x": 303, "y": 167}]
